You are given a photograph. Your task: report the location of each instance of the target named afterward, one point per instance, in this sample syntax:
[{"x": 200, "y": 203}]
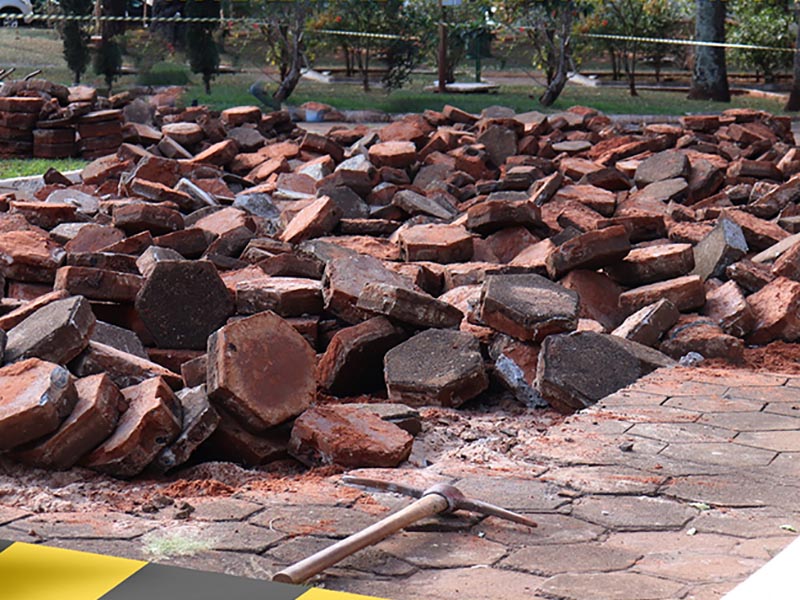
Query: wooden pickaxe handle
[{"x": 427, "y": 506}]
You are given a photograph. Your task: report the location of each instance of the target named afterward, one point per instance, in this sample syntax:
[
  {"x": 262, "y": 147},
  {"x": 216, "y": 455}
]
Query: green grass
[
  {"x": 232, "y": 90},
  {"x": 22, "y": 167},
  {"x": 186, "y": 542}
]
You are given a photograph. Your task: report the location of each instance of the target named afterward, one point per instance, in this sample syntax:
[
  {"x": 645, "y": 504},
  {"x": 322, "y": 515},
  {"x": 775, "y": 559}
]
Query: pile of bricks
[
  {"x": 47, "y": 120},
  {"x": 227, "y": 286}
]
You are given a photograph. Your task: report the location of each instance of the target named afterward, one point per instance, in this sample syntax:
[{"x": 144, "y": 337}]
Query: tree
[
  {"x": 765, "y": 23},
  {"x": 284, "y": 29},
  {"x": 200, "y": 43},
  {"x": 710, "y": 73},
  {"x": 108, "y": 61},
  {"x": 75, "y": 36},
  {"x": 548, "y": 24},
  {"x": 635, "y": 19},
  {"x": 793, "y": 103}
]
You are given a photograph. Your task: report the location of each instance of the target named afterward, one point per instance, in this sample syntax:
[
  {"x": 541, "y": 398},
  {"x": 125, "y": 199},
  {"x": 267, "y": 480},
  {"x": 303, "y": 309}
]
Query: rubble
[{"x": 554, "y": 253}]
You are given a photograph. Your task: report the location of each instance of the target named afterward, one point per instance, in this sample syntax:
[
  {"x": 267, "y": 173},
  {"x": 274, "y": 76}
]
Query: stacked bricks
[
  {"x": 230, "y": 287},
  {"x": 100, "y": 133},
  {"x": 18, "y": 116}
]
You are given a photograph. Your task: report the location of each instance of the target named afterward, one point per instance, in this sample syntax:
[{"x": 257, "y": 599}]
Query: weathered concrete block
[
  {"x": 527, "y": 307},
  {"x": 437, "y": 367},
  {"x": 57, "y": 332},
  {"x": 578, "y": 369}
]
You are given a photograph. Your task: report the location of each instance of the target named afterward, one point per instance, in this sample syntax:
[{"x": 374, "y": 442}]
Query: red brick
[
  {"x": 353, "y": 361},
  {"x": 315, "y": 220},
  {"x": 93, "y": 419},
  {"x": 776, "y": 308},
  {"x": 686, "y": 293},
  {"x": 152, "y": 420},
  {"x": 589, "y": 250},
  {"x": 29, "y": 256},
  {"x": 35, "y": 397},
  {"x": 123, "y": 368},
  {"x": 98, "y": 284},
  {"x": 348, "y": 436},
  {"x": 653, "y": 263},
  {"x": 410, "y": 307}
]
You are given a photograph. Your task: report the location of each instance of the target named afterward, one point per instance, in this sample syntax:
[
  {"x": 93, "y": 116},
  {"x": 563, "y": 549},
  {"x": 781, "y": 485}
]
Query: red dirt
[{"x": 777, "y": 357}]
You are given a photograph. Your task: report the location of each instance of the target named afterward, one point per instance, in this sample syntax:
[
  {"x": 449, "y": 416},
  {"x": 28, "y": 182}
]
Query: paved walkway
[{"x": 676, "y": 488}]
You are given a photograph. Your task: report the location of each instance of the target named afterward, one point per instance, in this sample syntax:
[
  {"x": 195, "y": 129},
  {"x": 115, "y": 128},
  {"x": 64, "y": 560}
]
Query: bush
[{"x": 164, "y": 74}]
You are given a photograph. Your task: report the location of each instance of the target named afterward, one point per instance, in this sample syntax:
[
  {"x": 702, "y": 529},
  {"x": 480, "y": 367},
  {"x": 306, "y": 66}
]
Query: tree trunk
[
  {"x": 614, "y": 64},
  {"x": 556, "y": 86},
  {"x": 710, "y": 75},
  {"x": 366, "y": 69},
  {"x": 630, "y": 71},
  {"x": 793, "y": 103}
]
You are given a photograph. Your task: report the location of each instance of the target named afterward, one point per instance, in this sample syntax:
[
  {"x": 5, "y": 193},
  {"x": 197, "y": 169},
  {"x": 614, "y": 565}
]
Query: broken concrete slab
[
  {"x": 527, "y": 307},
  {"x": 437, "y": 367},
  {"x": 258, "y": 353},
  {"x": 348, "y": 436},
  {"x": 345, "y": 278},
  {"x": 723, "y": 246},
  {"x": 199, "y": 419},
  {"x": 409, "y": 307},
  {"x": 648, "y": 324},
  {"x": 576, "y": 370}
]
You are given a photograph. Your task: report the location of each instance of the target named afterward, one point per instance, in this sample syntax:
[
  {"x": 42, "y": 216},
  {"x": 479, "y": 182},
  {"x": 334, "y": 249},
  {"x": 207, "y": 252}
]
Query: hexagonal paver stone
[
  {"x": 182, "y": 302},
  {"x": 577, "y": 370},
  {"x": 152, "y": 421},
  {"x": 436, "y": 243},
  {"x": 633, "y": 513},
  {"x": 98, "y": 284},
  {"x": 436, "y": 367},
  {"x": 408, "y": 306},
  {"x": 57, "y": 332},
  {"x": 287, "y": 296},
  {"x": 686, "y": 293},
  {"x": 393, "y": 154},
  {"x": 29, "y": 256},
  {"x": 581, "y": 558},
  {"x": 200, "y": 420},
  {"x": 353, "y": 361},
  {"x": 614, "y": 586},
  {"x": 124, "y": 369},
  {"x": 315, "y": 220},
  {"x": 727, "y": 306},
  {"x": 443, "y": 549},
  {"x": 261, "y": 370},
  {"x": 35, "y": 397},
  {"x": 345, "y": 278},
  {"x": 664, "y": 165},
  {"x": 348, "y": 436},
  {"x": 528, "y": 307},
  {"x": 93, "y": 419}
]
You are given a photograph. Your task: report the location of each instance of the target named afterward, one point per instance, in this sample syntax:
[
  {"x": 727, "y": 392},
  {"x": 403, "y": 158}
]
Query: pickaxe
[{"x": 438, "y": 499}]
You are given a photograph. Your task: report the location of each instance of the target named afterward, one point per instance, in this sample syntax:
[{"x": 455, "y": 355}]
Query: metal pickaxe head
[{"x": 455, "y": 498}]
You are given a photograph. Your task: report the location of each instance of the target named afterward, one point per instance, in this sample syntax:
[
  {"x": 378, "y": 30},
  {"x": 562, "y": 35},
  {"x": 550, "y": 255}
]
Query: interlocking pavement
[{"x": 678, "y": 487}]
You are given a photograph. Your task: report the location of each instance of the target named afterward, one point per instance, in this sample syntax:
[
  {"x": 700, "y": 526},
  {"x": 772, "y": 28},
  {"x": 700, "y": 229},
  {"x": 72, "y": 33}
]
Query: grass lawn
[
  {"x": 21, "y": 167},
  {"x": 232, "y": 90}
]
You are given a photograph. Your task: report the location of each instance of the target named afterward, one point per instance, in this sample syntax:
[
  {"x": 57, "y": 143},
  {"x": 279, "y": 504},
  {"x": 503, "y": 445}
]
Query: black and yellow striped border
[{"x": 37, "y": 572}]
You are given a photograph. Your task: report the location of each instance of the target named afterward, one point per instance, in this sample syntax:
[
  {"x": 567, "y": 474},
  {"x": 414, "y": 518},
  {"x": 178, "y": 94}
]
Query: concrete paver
[{"x": 677, "y": 487}]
